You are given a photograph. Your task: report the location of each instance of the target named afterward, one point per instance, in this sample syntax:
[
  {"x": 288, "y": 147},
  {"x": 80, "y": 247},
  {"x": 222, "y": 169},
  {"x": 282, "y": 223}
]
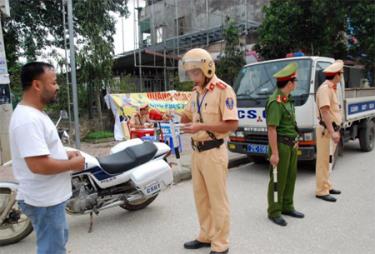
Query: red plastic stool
[{"x": 139, "y": 133}]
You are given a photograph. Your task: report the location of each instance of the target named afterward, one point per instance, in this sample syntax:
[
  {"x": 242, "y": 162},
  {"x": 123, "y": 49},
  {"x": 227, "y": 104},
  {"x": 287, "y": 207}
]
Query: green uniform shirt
[{"x": 281, "y": 114}]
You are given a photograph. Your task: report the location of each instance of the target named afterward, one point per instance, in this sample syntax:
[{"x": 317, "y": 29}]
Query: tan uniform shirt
[
  {"x": 137, "y": 119},
  {"x": 217, "y": 102},
  {"x": 327, "y": 96}
]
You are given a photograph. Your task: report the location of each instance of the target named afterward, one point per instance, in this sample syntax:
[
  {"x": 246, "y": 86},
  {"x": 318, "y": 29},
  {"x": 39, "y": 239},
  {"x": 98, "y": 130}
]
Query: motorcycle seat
[{"x": 128, "y": 158}]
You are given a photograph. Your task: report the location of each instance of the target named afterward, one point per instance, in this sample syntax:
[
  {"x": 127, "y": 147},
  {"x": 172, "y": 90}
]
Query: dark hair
[
  {"x": 330, "y": 77},
  {"x": 283, "y": 83},
  {"x": 32, "y": 71}
]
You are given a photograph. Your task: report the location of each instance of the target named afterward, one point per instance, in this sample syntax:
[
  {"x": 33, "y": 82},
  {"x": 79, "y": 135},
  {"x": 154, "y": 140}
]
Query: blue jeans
[{"x": 50, "y": 226}]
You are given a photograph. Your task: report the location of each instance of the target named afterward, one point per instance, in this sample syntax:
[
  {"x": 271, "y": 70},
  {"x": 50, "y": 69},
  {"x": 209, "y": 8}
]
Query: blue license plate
[{"x": 254, "y": 148}]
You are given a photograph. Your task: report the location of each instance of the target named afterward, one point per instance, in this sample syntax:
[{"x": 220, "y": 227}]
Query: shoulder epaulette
[
  {"x": 211, "y": 87},
  {"x": 278, "y": 99},
  {"x": 221, "y": 85},
  {"x": 281, "y": 99}
]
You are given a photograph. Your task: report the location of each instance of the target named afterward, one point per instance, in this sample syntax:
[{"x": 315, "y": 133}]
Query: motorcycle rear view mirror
[{"x": 63, "y": 114}]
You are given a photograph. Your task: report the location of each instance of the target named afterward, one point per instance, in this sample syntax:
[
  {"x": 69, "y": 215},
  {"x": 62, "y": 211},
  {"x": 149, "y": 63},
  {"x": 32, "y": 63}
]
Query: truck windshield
[{"x": 256, "y": 83}]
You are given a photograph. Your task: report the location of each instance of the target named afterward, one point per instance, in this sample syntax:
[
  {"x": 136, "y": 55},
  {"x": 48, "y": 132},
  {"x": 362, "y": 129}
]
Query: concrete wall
[{"x": 163, "y": 13}]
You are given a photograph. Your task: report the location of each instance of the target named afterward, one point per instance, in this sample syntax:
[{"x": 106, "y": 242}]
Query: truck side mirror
[{"x": 365, "y": 83}]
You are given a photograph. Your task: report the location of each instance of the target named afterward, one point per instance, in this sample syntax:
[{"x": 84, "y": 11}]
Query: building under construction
[{"x": 166, "y": 29}]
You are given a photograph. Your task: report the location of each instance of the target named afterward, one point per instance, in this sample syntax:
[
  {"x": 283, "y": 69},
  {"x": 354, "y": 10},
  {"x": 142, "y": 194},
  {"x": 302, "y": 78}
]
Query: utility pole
[
  {"x": 67, "y": 68},
  {"x": 177, "y": 28},
  {"x": 140, "y": 43},
  {"x": 123, "y": 35},
  {"x": 73, "y": 74},
  {"x": 246, "y": 17},
  {"x": 5, "y": 100},
  {"x": 208, "y": 24},
  {"x": 165, "y": 61}
]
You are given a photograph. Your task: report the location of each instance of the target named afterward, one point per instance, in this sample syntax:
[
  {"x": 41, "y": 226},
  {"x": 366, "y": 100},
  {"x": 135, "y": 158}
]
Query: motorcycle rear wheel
[
  {"x": 16, "y": 225},
  {"x": 135, "y": 206}
]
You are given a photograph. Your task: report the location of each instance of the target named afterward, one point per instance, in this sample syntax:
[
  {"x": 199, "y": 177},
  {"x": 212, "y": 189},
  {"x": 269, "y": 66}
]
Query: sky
[{"x": 124, "y": 38}]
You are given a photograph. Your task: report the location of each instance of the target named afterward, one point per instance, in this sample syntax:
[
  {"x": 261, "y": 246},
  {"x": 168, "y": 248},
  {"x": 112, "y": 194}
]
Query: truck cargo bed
[{"x": 359, "y": 92}]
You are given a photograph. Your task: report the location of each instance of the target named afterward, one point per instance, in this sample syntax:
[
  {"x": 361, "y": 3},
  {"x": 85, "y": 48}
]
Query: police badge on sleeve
[{"x": 229, "y": 103}]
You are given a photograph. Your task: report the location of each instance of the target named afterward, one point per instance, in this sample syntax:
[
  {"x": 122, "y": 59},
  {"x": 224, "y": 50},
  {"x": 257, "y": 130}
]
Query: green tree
[
  {"x": 307, "y": 25},
  {"x": 36, "y": 25},
  {"x": 124, "y": 84},
  {"x": 95, "y": 58},
  {"x": 362, "y": 19},
  {"x": 233, "y": 60},
  {"x": 15, "y": 83}
]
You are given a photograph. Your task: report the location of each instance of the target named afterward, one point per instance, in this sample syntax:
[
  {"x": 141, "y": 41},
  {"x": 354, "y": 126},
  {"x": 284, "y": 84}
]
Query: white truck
[{"x": 255, "y": 83}]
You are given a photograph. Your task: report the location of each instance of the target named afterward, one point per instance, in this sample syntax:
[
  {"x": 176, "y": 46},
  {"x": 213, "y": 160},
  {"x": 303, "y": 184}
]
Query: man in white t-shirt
[{"x": 40, "y": 163}]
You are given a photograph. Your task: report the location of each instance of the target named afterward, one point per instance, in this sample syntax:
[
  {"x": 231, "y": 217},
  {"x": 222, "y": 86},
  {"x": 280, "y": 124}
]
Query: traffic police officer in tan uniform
[
  {"x": 141, "y": 119},
  {"x": 211, "y": 114},
  {"x": 330, "y": 118},
  {"x": 282, "y": 139}
]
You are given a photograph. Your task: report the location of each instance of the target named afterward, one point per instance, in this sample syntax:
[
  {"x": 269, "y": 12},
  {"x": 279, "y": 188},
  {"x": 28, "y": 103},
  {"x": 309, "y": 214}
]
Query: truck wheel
[{"x": 367, "y": 136}]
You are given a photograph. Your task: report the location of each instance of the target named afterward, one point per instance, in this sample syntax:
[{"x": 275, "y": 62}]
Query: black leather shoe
[
  {"x": 328, "y": 198},
  {"x": 192, "y": 245},
  {"x": 278, "y": 220},
  {"x": 294, "y": 214},
  {"x": 334, "y": 192},
  {"x": 219, "y": 252}
]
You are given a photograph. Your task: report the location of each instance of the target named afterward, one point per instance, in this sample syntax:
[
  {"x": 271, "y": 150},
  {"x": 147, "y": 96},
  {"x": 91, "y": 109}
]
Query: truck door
[{"x": 320, "y": 78}]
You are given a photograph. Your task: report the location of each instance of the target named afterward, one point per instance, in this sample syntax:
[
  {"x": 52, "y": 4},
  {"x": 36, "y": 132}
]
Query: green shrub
[
  {"x": 99, "y": 135},
  {"x": 184, "y": 86}
]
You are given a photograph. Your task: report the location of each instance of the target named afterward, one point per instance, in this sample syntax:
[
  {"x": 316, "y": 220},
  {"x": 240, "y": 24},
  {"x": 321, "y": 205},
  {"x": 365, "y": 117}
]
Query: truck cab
[{"x": 255, "y": 83}]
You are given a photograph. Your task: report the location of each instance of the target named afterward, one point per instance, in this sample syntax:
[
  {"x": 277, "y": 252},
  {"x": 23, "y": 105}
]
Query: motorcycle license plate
[{"x": 152, "y": 188}]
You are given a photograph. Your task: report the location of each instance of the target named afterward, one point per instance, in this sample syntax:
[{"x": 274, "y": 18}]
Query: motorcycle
[{"x": 131, "y": 177}]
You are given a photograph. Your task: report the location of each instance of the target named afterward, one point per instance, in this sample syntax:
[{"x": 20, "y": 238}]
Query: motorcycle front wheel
[
  {"x": 138, "y": 205},
  {"x": 16, "y": 225}
]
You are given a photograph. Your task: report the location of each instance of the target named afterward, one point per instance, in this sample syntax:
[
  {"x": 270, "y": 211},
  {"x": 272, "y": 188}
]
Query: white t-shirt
[{"x": 32, "y": 133}]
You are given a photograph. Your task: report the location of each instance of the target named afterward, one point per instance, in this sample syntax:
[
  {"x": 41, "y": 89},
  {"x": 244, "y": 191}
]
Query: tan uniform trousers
[
  {"x": 323, "y": 184},
  {"x": 209, "y": 173}
]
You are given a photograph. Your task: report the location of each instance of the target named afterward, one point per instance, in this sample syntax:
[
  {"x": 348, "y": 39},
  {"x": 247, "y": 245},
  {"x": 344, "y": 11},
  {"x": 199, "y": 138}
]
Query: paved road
[{"x": 347, "y": 226}]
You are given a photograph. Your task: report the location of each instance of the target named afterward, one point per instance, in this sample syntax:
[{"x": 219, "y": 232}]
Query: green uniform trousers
[{"x": 286, "y": 176}]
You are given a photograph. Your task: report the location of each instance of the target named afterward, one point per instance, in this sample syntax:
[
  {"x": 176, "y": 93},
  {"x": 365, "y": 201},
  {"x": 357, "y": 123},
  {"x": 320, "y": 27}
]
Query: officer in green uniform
[{"x": 282, "y": 139}]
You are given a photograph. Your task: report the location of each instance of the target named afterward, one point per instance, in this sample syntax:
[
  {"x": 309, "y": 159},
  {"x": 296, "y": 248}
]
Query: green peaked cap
[{"x": 286, "y": 73}]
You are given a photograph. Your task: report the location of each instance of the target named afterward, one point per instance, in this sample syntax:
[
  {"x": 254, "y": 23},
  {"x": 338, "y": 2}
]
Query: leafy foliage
[
  {"x": 99, "y": 135},
  {"x": 306, "y": 25},
  {"x": 233, "y": 60},
  {"x": 362, "y": 19},
  {"x": 37, "y": 25},
  {"x": 184, "y": 86},
  {"x": 319, "y": 27},
  {"x": 123, "y": 84}
]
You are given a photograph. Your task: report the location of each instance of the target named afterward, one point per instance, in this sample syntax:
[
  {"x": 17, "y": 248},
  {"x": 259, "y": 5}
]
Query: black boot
[
  {"x": 294, "y": 214},
  {"x": 192, "y": 245},
  {"x": 328, "y": 198},
  {"x": 334, "y": 192},
  {"x": 279, "y": 221}
]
